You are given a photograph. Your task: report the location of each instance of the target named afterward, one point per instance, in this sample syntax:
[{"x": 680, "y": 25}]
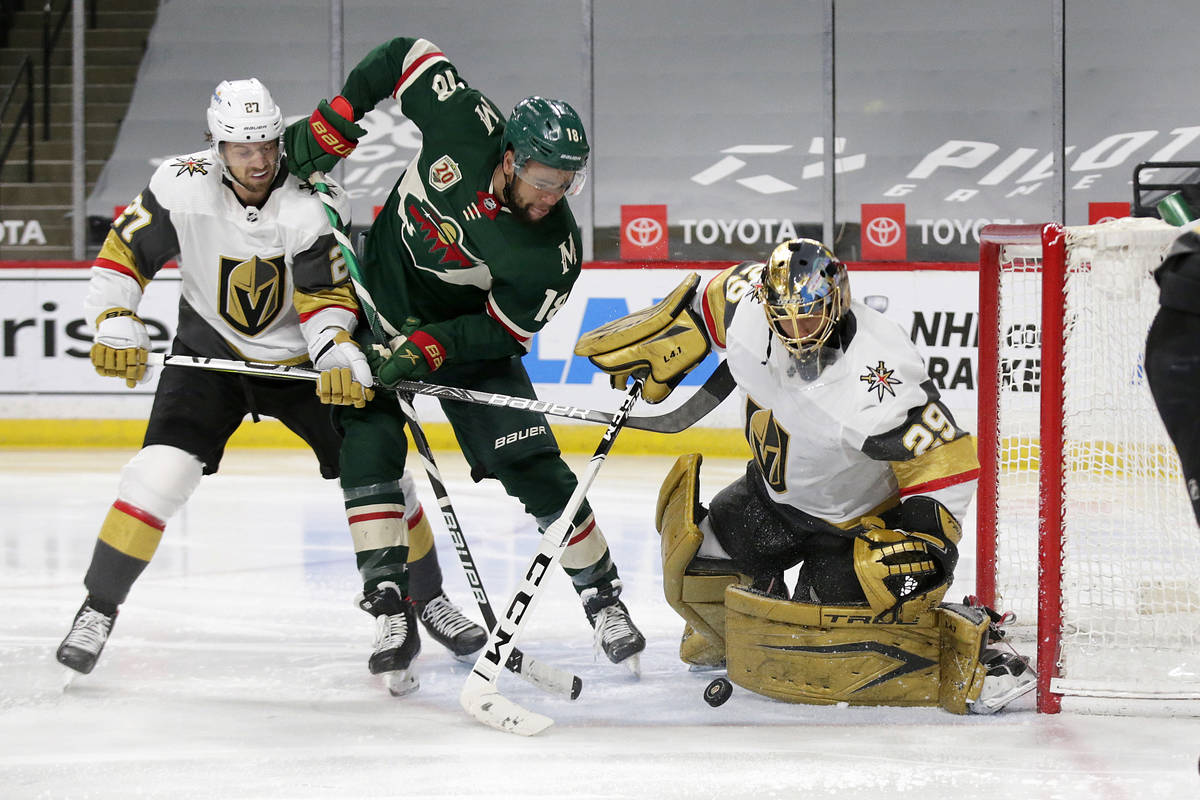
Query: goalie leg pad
[
  {"x": 964, "y": 636},
  {"x": 699, "y": 599},
  {"x": 807, "y": 653}
]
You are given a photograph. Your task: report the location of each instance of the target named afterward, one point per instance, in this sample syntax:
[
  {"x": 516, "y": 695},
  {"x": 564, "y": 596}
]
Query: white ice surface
[{"x": 237, "y": 669}]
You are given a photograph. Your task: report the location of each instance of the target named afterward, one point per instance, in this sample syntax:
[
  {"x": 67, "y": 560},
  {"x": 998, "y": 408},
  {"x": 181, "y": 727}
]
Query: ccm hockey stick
[
  {"x": 707, "y": 397},
  {"x": 544, "y": 676},
  {"x": 479, "y": 697}
]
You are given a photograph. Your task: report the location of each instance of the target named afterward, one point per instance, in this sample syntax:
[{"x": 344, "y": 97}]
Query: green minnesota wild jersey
[{"x": 444, "y": 249}]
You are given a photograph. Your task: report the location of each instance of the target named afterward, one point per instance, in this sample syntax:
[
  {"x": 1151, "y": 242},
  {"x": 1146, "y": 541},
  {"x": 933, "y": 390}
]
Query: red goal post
[{"x": 1083, "y": 522}]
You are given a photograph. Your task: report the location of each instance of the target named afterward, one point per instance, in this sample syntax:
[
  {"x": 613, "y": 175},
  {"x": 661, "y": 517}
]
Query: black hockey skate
[
  {"x": 83, "y": 644},
  {"x": 616, "y": 634},
  {"x": 450, "y": 628},
  {"x": 396, "y": 640}
]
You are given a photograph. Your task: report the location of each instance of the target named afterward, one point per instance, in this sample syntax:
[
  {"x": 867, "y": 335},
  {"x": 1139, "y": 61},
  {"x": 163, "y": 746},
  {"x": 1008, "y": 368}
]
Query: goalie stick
[
  {"x": 545, "y": 676},
  {"x": 718, "y": 386},
  {"x": 479, "y": 697}
]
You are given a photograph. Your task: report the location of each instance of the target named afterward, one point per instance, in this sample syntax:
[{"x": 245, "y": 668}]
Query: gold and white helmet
[{"x": 805, "y": 292}]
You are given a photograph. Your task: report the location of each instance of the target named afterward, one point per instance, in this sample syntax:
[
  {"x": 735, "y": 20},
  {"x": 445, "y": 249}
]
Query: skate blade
[
  {"x": 707, "y": 667},
  {"x": 998, "y": 703},
  {"x": 68, "y": 677},
  {"x": 634, "y": 664},
  {"x": 401, "y": 682}
]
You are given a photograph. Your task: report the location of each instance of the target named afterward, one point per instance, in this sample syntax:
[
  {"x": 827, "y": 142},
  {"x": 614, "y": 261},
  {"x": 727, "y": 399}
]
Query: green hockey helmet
[{"x": 549, "y": 132}]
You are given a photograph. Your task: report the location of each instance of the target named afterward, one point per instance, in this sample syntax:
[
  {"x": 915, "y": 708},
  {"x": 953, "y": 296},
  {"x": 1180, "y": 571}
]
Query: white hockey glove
[
  {"x": 121, "y": 347},
  {"x": 346, "y": 377}
]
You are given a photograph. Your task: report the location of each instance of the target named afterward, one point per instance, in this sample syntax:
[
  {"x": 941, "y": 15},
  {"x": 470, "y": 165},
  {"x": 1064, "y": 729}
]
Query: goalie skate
[
  {"x": 1009, "y": 676},
  {"x": 83, "y": 644},
  {"x": 396, "y": 640},
  {"x": 450, "y": 628},
  {"x": 615, "y": 634}
]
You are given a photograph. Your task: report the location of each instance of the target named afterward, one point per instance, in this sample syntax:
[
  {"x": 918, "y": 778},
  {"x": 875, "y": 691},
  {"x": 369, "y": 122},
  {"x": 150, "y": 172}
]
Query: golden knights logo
[
  {"x": 435, "y": 241},
  {"x": 879, "y": 380},
  {"x": 768, "y": 444},
  {"x": 251, "y": 292},
  {"x": 191, "y": 165}
]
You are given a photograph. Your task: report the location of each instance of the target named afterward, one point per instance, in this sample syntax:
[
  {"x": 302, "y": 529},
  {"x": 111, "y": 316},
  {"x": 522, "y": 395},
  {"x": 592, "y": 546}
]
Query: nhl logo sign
[
  {"x": 883, "y": 233},
  {"x": 644, "y": 233}
]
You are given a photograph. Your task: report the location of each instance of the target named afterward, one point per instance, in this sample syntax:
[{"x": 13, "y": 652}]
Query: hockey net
[{"x": 1084, "y": 526}]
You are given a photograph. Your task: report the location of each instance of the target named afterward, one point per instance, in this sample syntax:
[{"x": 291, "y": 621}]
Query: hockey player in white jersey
[
  {"x": 859, "y": 475},
  {"x": 262, "y": 279}
]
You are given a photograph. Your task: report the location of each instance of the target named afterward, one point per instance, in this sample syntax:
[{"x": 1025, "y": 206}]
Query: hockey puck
[{"x": 717, "y": 692}]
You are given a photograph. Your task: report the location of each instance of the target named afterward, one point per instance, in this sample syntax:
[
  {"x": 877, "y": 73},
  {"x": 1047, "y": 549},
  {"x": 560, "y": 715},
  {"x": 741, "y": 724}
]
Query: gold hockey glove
[
  {"x": 121, "y": 346},
  {"x": 660, "y": 344}
]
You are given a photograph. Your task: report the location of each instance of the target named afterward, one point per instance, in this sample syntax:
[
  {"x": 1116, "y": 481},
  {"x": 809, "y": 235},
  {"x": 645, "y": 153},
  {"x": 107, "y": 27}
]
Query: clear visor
[
  {"x": 250, "y": 154},
  {"x": 543, "y": 178}
]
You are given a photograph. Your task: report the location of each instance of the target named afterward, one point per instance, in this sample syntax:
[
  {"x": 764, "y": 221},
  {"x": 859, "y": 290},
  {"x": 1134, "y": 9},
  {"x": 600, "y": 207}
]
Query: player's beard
[{"x": 521, "y": 212}]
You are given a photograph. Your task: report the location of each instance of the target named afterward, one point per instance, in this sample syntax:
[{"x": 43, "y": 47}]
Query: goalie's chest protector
[
  {"x": 235, "y": 262},
  {"x": 807, "y": 436}
]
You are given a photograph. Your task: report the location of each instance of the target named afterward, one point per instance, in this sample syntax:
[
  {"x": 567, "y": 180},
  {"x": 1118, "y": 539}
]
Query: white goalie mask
[{"x": 243, "y": 111}]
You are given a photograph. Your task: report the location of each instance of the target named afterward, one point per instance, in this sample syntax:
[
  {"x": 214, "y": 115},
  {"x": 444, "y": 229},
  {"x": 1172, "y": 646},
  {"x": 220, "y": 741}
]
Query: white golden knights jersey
[
  {"x": 252, "y": 278},
  {"x": 866, "y": 433}
]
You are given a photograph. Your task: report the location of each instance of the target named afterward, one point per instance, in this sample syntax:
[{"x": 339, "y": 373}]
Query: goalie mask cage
[{"x": 1084, "y": 524}]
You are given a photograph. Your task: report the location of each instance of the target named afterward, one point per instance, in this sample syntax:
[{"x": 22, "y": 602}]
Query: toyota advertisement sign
[
  {"x": 884, "y": 237},
  {"x": 644, "y": 233},
  {"x": 943, "y": 116}
]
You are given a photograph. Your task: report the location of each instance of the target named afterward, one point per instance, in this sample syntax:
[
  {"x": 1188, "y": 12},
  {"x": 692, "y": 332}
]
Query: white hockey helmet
[{"x": 242, "y": 111}]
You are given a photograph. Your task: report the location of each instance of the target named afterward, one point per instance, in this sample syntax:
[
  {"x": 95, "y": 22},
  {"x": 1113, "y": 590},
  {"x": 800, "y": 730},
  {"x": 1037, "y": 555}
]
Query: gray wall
[{"x": 714, "y": 109}]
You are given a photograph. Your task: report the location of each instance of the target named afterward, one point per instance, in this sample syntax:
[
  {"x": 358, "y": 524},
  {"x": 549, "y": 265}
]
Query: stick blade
[
  {"x": 481, "y": 700},
  {"x": 546, "y": 677}
]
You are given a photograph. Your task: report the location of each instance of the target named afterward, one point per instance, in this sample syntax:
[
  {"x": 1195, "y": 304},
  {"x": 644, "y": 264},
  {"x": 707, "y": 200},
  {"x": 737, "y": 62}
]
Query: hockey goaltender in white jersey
[{"x": 858, "y": 474}]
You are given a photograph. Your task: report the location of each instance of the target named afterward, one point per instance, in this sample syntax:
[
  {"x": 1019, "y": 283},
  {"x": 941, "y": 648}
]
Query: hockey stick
[
  {"x": 544, "y": 676},
  {"x": 479, "y": 697},
  {"x": 707, "y": 397}
]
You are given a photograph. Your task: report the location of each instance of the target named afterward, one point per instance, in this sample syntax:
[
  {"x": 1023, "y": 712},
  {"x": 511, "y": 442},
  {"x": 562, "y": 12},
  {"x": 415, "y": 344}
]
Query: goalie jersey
[
  {"x": 867, "y": 432},
  {"x": 252, "y": 278}
]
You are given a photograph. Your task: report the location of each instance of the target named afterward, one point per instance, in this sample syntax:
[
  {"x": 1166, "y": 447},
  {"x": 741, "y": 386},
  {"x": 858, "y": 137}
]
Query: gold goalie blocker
[
  {"x": 661, "y": 344},
  {"x": 921, "y": 654}
]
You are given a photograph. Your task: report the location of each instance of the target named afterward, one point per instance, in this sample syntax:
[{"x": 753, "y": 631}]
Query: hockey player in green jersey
[{"x": 474, "y": 252}]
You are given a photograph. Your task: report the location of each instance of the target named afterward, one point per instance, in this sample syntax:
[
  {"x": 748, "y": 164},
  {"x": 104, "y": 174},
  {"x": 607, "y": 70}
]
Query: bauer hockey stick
[
  {"x": 707, "y": 397},
  {"x": 479, "y": 697},
  {"x": 544, "y": 676}
]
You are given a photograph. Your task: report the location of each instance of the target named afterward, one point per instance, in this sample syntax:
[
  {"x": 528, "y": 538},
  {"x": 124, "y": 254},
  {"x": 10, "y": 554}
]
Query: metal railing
[
  {"x": 24, "y": 116},
  {"x": 51, "y": 30}
]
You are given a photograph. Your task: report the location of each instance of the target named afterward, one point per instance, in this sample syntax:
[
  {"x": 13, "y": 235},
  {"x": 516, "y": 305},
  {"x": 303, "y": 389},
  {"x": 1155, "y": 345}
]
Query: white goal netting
[{"x": 1130, "y": 546}]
